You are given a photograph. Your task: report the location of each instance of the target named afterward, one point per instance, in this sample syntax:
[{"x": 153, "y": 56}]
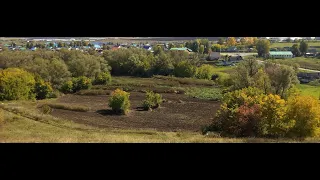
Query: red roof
[{"x": 115, "y": 47}]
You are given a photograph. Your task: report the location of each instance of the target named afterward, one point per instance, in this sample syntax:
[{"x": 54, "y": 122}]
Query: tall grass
[
  {"x": 186, "y": 81},
  {"x": 67, "y": 107}
]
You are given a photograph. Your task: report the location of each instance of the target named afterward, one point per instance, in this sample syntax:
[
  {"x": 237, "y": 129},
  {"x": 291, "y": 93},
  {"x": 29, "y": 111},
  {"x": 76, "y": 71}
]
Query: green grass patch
[
  {"x": 213, "y": 94},
  {"x": 309, "y": 90},
  {"x": 285, "y": 44},
  {"x": 306, "y": 63}
]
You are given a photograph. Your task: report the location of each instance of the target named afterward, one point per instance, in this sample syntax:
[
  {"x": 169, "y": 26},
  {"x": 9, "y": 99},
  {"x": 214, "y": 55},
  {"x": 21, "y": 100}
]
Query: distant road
[{"x": 303, "y": 69}]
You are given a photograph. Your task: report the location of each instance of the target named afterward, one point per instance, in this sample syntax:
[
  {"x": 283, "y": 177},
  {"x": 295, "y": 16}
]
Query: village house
[
  {"x": 280, "y": 54},
  {"x": 182, "y": 49}
]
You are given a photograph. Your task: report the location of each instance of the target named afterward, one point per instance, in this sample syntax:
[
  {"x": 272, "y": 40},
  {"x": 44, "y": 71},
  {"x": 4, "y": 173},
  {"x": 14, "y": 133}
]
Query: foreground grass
[
  {"x": 20, "y": 129},
  {"x": 306, "y": 89},
  {"x": 23, "y": 123},
  {"x": 67, "y": 107}
]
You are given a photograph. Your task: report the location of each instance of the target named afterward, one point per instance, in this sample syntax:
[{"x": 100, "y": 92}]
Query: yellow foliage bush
[
  {"x": 305, "y": 111},
  {"x": 119, "y": 101},
  {"x": 273, "y": 122}
]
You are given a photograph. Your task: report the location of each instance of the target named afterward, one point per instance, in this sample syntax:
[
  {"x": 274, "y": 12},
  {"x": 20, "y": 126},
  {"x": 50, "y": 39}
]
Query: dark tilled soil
[{"x": 178, "y": 112}]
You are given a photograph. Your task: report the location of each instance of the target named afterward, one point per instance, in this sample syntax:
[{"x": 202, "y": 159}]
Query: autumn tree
[
  {"x": 216, "y": 47},
  {"x": 243, "y": 41},
  {"x": 305, "y": 111},
  {"x": 231, "y": 41}
]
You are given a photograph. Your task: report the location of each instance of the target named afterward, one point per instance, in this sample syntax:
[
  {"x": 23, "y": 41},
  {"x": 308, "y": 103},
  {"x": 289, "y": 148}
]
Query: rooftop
[
  {"x": 181, "y": 49},
  {"x": 281, "y": 53}
]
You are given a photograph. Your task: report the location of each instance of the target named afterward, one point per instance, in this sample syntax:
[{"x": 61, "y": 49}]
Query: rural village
[{"x": 144, "y": 89}]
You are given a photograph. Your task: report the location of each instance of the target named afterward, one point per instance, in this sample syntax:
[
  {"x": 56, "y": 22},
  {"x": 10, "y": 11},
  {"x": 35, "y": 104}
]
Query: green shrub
[
  {"x": 16, "y": 84},
  {"x": 315, "y": 82},
  {"x": 46, "y": 109},
  {"x": 152, "y": 100},
  {"x": 119, "y": 101},
  {"x": 248, "y": 112},
  {"x": 55, "y": 94},
  {"x": 80, "y": 83},
  {"x": 76, "y": 84},
  {"x": 103, "y": 78},
  {"x": 223, "y": 79},
  {"x": 205, "y": 72},
  {"x": 185, "y": 69},
  {"x": 43, "y": 89},
  {"x": 67, "y": 87}
]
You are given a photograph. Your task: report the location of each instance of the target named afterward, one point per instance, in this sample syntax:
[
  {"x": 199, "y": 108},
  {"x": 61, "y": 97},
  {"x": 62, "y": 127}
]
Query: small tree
[
  {"x": 295, "y": 50},
  {"x": 303, "y": 47},
  {"x": 152, "y": 100},
  {"x": 263, "y": 47},
  {"x": 119, "y": 101},
  {"x": 231, "y": 41},
  {"x": 185, "y": 69},
  {"x": 201, "y": 49},
  {"x": 221, "y": 40},
  {"x": 80, "y": 83},
  {"x": 43, "y": 89},
  {"x": 305, "y": 111},
  {"x": 205, "y": 72},
  {"x": 67, "y": 87},
  {"x": 103, "y": 78},
  {"x": 16, "y": 84}
]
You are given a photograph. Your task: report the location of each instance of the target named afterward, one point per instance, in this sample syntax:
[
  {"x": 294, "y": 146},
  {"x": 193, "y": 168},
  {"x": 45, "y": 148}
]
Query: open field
[
  {"x": 179, "y": 118},
  {"x": 309, "y": 90},
  {"x": 273, "y": 45},
  {"x": 88, "y": 118},
  {"x": 306, "y": 63}
]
